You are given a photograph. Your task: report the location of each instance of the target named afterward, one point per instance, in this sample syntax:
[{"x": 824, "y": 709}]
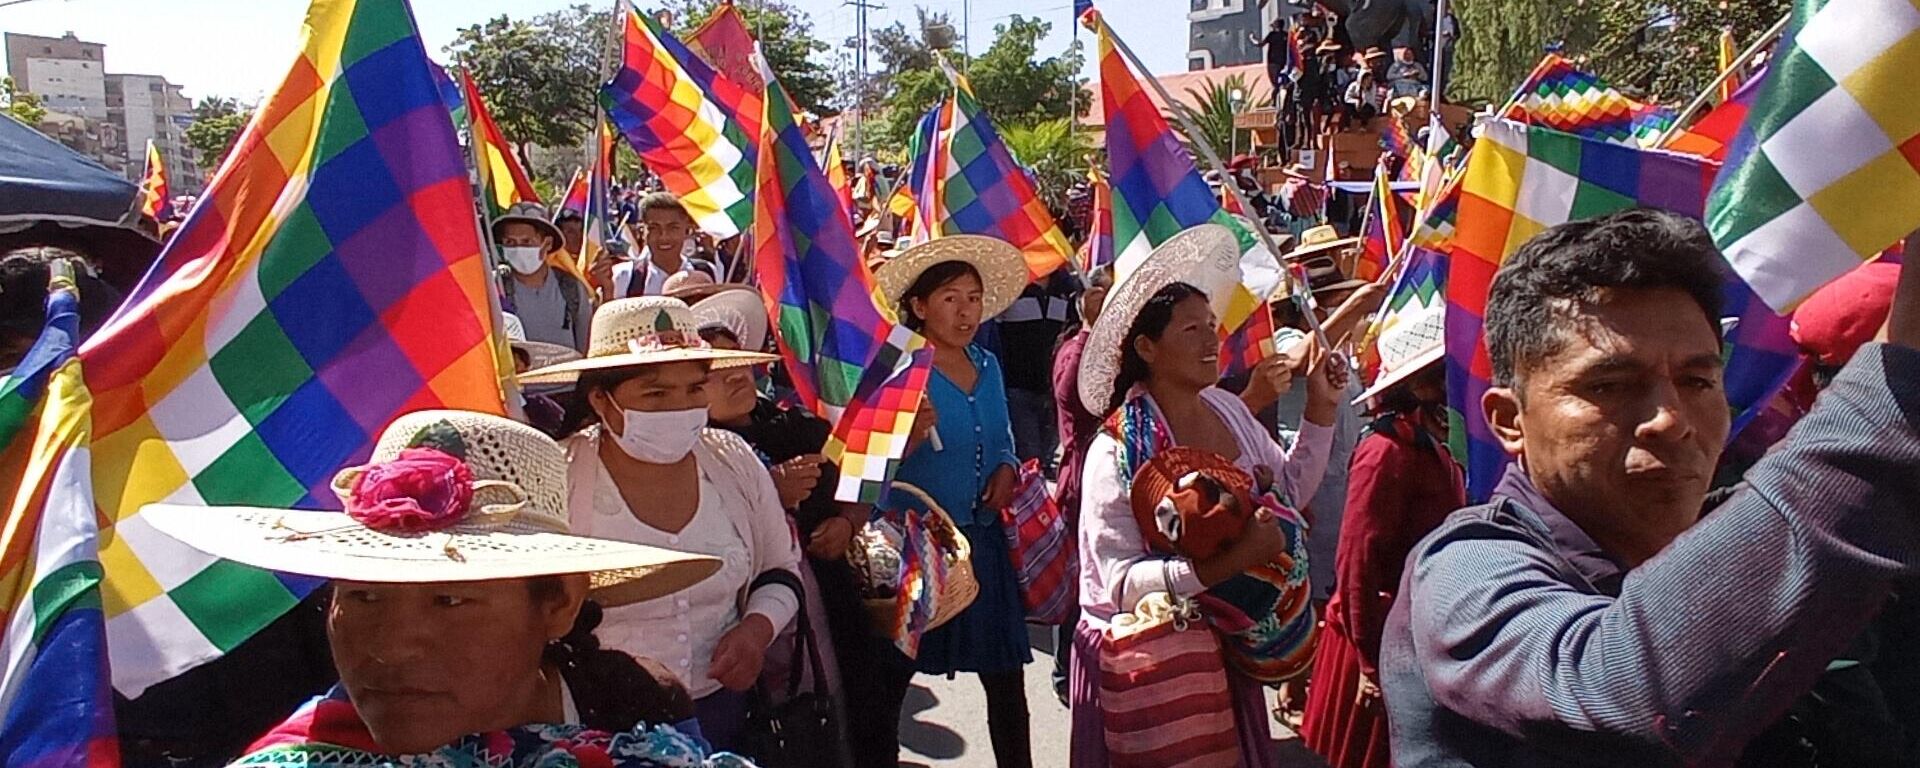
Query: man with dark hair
[
  {"x": 573, "y": 231},
  {"x": 1588, "y": 615},
  {"x": 668, "y": 233}
]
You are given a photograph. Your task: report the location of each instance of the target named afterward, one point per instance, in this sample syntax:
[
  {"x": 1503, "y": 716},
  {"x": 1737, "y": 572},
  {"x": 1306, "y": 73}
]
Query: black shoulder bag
[{"x": 802, "y": 731}]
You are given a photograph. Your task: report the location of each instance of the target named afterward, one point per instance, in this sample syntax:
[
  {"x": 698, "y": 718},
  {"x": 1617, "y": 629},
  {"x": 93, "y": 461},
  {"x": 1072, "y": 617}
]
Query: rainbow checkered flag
[
  {"x": 156, "y": 199},
  {"x": 1566, "y": 98},
  {"x": 980, "y": 190},
  {"x": 1522, "y": 180},
  {"x": 330, "y": 280},
  {"x": 904, "y": 204},
  {"x": 56, "y": 707},
  {"x": 1826, "y": 171},
  {"x": 1158, "y": 192},
  {"x": 693, "y": 126},
  {"x": 850, "y": 361}
]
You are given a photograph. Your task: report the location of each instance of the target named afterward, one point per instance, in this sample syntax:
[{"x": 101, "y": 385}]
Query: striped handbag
[
  {"x": 1164, "y": 697},
  {"x": 1043, "y": 552}
]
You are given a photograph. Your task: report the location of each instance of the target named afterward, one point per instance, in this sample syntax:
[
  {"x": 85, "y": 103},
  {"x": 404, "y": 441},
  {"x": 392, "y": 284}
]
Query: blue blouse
[{"x": 976, "y": 439}]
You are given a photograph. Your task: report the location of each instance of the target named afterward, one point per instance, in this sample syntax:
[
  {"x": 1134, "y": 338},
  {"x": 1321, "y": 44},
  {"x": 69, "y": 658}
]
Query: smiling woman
[{"x": 1151, "y": 363}]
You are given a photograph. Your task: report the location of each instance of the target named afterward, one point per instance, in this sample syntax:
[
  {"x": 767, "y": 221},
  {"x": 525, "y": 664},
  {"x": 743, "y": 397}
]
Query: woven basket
[{"x": 960, "y": 588}]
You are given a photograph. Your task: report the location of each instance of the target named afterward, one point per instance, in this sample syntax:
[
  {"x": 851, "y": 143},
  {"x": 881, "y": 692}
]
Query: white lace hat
[
  {"x": 642, "y": 331},
  {"x": 449, "y": 496},
  {"x": 1409, "y": 341},
  {"x": 738, "y": 309},
  {"x": 540, "y": 354},
  {"x": 1206, "y": 257},
  {"x": 1002, "y": 268}
]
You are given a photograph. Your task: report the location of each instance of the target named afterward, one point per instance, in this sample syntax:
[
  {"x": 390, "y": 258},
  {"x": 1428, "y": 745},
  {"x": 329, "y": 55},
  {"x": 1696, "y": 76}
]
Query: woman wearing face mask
[
  {"x": 964, "y": 460},
  {"x": 650, "y": 472},
  {"x": 1402, "y": 485}
]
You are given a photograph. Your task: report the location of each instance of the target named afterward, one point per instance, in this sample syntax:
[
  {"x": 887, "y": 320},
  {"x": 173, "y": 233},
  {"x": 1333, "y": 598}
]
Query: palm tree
[
  {"x": 1212, "y": 113},
  {"x": 1054, "y": 153}
]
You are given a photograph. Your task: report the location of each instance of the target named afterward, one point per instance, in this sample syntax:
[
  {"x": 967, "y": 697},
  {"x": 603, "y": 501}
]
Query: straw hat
[
  {"x": 1320, "y": 238},
  {"x": 740, "y": 310},
  {"x": 1323, "y": 276},
  {"x": 1002, "y": 268},
  {"x": 534, "y": 214},
  {"x": 540, "y": 354},
  {"x": 1409, "y": 341},
  {"x": 404, "y": 523},
  {"x": 1180, "y": 515},
  {"x": 642, "y": 331},
  {"x": 1206, "y": 257}
]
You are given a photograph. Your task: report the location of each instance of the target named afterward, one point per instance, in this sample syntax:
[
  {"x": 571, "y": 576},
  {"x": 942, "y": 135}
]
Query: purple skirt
[{"x": 1088, "y": 748}]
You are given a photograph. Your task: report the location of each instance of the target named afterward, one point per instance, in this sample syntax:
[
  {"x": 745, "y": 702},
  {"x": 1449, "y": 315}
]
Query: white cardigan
[{"x": 748, "y": 496}]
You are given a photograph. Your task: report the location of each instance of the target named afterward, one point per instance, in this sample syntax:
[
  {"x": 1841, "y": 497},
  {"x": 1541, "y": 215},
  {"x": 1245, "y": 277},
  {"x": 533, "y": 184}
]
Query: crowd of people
[{"x": 656, "y": 544}]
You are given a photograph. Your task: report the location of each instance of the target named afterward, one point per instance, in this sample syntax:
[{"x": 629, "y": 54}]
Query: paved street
[{"x": 944, "y": 722}]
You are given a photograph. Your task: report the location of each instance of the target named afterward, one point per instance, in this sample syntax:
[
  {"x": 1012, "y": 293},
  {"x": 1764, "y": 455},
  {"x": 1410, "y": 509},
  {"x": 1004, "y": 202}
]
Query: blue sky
[{"x": 242, "y": 47}]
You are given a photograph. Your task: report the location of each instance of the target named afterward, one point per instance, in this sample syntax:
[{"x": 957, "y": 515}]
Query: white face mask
[
  {"x": 524, "y": 259},
  {"x": 661, "y": 437}
]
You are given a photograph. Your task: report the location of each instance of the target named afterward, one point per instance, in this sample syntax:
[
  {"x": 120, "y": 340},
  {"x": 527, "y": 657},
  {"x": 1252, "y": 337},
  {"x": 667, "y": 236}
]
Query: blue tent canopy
[
  {"x": 42, "y": 180},
  {"x": 52, "y": 195}
]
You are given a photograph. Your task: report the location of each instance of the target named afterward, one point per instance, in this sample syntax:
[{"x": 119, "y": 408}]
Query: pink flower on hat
[{"x": 421, "y": 490}]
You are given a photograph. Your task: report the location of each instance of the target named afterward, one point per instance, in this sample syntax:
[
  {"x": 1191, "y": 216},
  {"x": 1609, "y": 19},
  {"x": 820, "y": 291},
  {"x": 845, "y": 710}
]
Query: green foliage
[
  {"x": 1665, "y": 49},
  {"x": 538, "y": 76},
  {"x": 1054, "y": 152},
  {"x": 217, "y": 123},
  {"x": 1013, "y": 87},
  {"x": 786, "y": 36},
  {"x": 24, "y": 107},
  {"x": 1212, "y": 113}
]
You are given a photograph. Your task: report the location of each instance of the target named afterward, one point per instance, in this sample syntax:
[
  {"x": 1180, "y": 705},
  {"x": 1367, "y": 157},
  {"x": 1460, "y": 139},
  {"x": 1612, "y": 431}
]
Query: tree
[
  {"x": 1054, "y": 153},
  {"x": 1212, "y": 112},
  {"x": 1013, "y": 88},
  {"x": 1662, "y": 50},
  {"x": 217, "y": 123},
  {"x": 1668, "y": 49},
  {"x": 786, "y": 36},
  {"x": 20, "y": 105},
  {"x": 539, "y": 76}
]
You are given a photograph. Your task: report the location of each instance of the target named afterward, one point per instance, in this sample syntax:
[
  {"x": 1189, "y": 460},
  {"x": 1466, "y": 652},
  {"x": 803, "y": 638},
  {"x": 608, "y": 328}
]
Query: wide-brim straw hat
[
  {"x": 515, "y": 526},
  {"x": 540, "y": 354},
  {"x": 648, "y": 330},
  {"x": 534, "y": 214},
  {"x": 1206, "y": 257},
  {"x": 1409, "y": 342},
  {"x": 740, "y": 310},
  {"x": 1318, "y": 239},
  {"x": 1002, "y": 268}
]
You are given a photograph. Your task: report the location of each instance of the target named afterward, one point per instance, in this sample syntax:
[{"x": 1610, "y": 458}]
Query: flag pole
[
  {"x": 1300, "y": 297},
  {"x": 1739, "y": 62},
  {"x": 510, "y": 395}
]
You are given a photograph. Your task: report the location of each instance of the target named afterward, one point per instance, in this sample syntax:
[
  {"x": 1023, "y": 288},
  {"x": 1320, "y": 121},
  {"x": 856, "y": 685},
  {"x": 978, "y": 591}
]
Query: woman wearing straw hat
[
  {"x": 944, "y": 289},
  {"x": 650, "y": 472},
  {"x": 789, "y": 440},
  {"x": 1402, "y": 484},
  {"x": 463, "y": 613},
  {"x": 1151, "y": 362}
]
